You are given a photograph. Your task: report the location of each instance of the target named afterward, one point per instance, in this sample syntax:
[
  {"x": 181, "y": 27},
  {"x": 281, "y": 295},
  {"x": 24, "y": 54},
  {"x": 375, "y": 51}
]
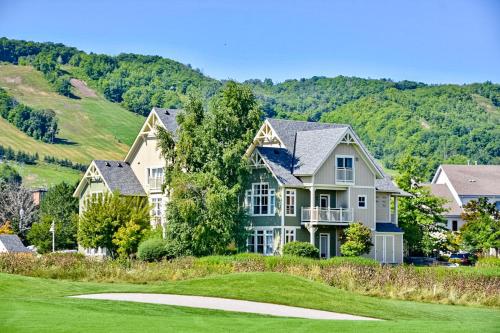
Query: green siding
[{"x": 263, "y": 175}]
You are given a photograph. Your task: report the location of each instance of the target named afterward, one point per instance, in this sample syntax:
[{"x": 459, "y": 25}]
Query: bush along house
[{"x": 309, "y": 181}]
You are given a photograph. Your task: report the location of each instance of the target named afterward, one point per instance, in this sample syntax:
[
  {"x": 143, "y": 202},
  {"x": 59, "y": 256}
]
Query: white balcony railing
[
  {"x": 155, "y": 183},
  {"x": 327, "y": 215},
  {"x": 344, "y": 175}
]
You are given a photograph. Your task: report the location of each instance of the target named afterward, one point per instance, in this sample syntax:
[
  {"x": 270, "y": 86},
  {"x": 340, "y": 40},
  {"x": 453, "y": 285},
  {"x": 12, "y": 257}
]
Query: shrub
[
  {"x": 488, "y": 262},
  {"x": 357, "y": 240},
  {"x": 153, "y": 249},
  {"x": 301, "y": 249}
]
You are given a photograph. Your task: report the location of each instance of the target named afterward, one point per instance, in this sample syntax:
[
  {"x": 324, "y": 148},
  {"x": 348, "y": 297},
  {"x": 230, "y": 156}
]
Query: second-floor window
[
  {"x": 362, "y": 201},
  {"x": 155, "y": 178},
  {"x": 261, "y": 199},
  {"x": 290, "y": 202},
  {"x": 344, "y": 169}
]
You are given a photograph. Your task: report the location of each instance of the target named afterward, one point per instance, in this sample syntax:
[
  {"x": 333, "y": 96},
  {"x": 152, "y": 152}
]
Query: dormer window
[{"x": 344, "y": 172}]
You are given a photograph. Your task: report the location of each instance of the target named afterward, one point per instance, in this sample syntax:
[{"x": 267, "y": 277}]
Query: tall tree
[
  {"x": 420, "y": 215},
  {"x": 481, "y": 230},
  {"x": 59, "y": 207},
  {"x": 17, "y": 207}
]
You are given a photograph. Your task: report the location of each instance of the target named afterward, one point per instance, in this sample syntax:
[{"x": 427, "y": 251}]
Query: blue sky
[{"x": 432, "y": 41}]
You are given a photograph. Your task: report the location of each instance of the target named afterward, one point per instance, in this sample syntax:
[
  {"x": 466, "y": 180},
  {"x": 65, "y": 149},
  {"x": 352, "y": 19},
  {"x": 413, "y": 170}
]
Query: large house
[
  {"x": 459, "y": 184},
  {"x": 308, "y": 181},
  {"x": 139, "y": 174},
  {"x": 311, "y": 180}
]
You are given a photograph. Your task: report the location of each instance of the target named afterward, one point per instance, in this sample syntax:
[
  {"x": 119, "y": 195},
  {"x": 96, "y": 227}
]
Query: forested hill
[{"x": 452, "y": 123}]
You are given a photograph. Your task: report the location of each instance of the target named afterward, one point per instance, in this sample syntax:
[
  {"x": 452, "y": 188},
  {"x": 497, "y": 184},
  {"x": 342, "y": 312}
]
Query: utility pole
[{"x": 53, "y": 230}]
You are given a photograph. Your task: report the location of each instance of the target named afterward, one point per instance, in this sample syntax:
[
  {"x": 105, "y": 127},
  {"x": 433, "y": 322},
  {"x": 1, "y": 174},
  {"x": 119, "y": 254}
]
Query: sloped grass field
[
  {"x": 90, "y": 127},
  {"x": 40, "y": 305},
  {"x": 46, "y": 175}
]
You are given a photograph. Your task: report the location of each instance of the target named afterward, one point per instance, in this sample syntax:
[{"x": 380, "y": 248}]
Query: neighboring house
[
  {"x": 11, "y": 244},
  {"x": 311, "y": 180},
  {"x": 139, "y": 174},
  {"x": 38, "y": 194},
  {"x": 461, "y": 183}
]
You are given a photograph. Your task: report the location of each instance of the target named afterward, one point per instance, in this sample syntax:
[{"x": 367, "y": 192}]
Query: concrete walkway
[{"x": 225, "y": 304}]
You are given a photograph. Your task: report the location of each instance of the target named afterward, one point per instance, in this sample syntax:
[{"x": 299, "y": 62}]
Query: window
[
  {"x": 155, "y": 178},
  {"x": 345, "y": 167},
  {"x": 324, "y": 201},
  {"x": 248, "y": 199},
  {"x": 290, "y": 202},
  {"x": 263, "y": 199},
  {"x": 454, "y": 225},
  {"x": 289, "y": 235},
  {"x": 156, "y": 210},
  {"x": 261, "y": 241},
  {"x": 361, "y": 201}
]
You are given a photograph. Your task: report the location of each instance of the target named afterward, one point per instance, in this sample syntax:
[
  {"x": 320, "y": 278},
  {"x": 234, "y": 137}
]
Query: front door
[{"x": 324, "y": 246}]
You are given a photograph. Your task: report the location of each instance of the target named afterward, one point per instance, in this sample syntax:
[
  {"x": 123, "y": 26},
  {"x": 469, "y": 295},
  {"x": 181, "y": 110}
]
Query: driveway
[{"x": 225, "y": 304}]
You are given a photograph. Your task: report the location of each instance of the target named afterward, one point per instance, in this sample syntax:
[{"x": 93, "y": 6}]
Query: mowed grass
[
  {"x": 39, "y": 305},
  {"x": 46, "y": 175},
  {"x": 90, "y": 127}
]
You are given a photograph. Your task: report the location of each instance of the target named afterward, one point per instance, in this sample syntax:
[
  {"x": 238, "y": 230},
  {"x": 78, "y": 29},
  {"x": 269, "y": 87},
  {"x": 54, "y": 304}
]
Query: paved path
[{"x": 226, "y": 305}]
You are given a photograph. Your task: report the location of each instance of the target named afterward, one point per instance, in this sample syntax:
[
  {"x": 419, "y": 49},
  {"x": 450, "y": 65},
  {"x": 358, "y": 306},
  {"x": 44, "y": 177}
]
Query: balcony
[
  {"x": 344, "y": 175},
  {"x": 327, "y": 215},
  {"x": 155, "y": 183}
]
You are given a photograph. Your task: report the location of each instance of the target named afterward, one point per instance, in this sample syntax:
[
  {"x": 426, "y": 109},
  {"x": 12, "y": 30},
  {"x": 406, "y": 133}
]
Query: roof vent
[
  {"x": 276, "y": 152},
  {"x": 107, "y": 164},
  {"x": 167, "y": 113},
  {"x": 472, "y": 180},
  {"x": 119, "y": 165}
]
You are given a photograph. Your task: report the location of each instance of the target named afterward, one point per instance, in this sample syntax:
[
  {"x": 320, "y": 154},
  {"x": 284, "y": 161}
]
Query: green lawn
[
  {"x": 46, "y": 175},
  {"x": 38, "y": 305}
]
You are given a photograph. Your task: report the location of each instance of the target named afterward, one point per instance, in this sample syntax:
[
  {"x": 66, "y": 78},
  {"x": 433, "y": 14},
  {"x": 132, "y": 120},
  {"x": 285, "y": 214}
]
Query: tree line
[{"x": 39, "y": 124}]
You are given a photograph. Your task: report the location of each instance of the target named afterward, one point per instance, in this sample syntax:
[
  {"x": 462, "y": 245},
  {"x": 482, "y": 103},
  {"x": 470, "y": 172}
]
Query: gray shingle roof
[
  {"x": 474, "y": 179},
  {"x": 120, "y": 177},
  {"x": 279, "y": 161},
  {"x": 387, "y": 185},
  {"x": 387, "y": 227},
  {"x": 312, "y": 148},
  {"x": 286, "y": 129},
  {"x": 12, "y": 243},
  {"x": 442, "y": 190},
  {"x": 168, "y": 117}
]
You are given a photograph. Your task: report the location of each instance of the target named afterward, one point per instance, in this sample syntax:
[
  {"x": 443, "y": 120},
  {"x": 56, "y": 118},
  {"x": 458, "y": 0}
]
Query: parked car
[{"x": 462, "y": 258}]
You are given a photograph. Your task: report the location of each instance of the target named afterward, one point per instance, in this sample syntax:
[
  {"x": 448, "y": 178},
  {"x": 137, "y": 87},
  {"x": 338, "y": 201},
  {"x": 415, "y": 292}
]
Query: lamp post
[{"x": 53, "y": 231}]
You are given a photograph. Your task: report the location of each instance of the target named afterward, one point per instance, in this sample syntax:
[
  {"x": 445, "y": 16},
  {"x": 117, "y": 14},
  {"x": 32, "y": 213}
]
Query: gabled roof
[
  {"x": 314, "y": 146},
  {"x": 12, "y": 243},
  {"x": 279, "y": 161},
  {"x": 442, "y": 190},
  {"x": 120, "y": 177},
  {"x": 168, "y": 118},
  {"x": 473, "y": 180},
  {"x": 387, "y": 227},
  {"x": 387, "y": 185},
  {"x": 286, "y": 129}
]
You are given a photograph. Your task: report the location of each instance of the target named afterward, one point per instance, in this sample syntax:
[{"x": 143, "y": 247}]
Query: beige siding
[
  {"x": 363, "y": 175},
  {"x": 91, "y": 187},
  {"x": 306, "y": 180},
  {"x": 366, "y": 215},
  {"x": 146, "y": 156},
  {"x": 383, "y": 207}
]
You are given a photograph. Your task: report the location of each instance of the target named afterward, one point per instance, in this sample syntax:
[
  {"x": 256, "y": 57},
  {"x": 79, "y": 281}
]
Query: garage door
[{"x": 384, "y": 248}]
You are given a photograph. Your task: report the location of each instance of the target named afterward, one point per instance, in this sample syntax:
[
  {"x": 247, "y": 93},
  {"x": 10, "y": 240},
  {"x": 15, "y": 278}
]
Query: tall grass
[{"x": 364, "y": 276}]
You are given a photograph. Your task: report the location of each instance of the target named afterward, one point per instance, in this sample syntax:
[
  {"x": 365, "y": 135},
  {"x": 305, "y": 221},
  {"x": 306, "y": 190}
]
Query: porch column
[
  {"x": 312, "y": 232},
  {"x": 312, "y": 200},
  {"x": 396, "y": 210}
]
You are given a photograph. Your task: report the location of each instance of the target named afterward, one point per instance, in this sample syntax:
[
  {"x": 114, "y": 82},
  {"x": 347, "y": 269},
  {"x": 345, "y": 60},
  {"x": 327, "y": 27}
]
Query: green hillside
[
  {"x": 438, "y": 123},
  {"x": 90, "y": 127}
]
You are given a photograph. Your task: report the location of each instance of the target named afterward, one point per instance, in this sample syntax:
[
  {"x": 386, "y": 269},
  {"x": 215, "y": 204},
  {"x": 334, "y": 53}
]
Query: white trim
[
  {"x": 283, "y": 209},
  {"x": 273, "y": 213},
  {"x": 142, "y": 133},
  {"x": 327, "y": 246},
  {"x": 365, "y": 201},
  {"x": 353, "y": 169},
  {"x": 293, "y": 194}
]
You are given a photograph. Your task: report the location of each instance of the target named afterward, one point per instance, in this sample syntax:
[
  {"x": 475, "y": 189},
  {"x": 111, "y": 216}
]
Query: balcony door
[
  {"x": 324, "y": 246},
  {"x": 324, "y": 201}
]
